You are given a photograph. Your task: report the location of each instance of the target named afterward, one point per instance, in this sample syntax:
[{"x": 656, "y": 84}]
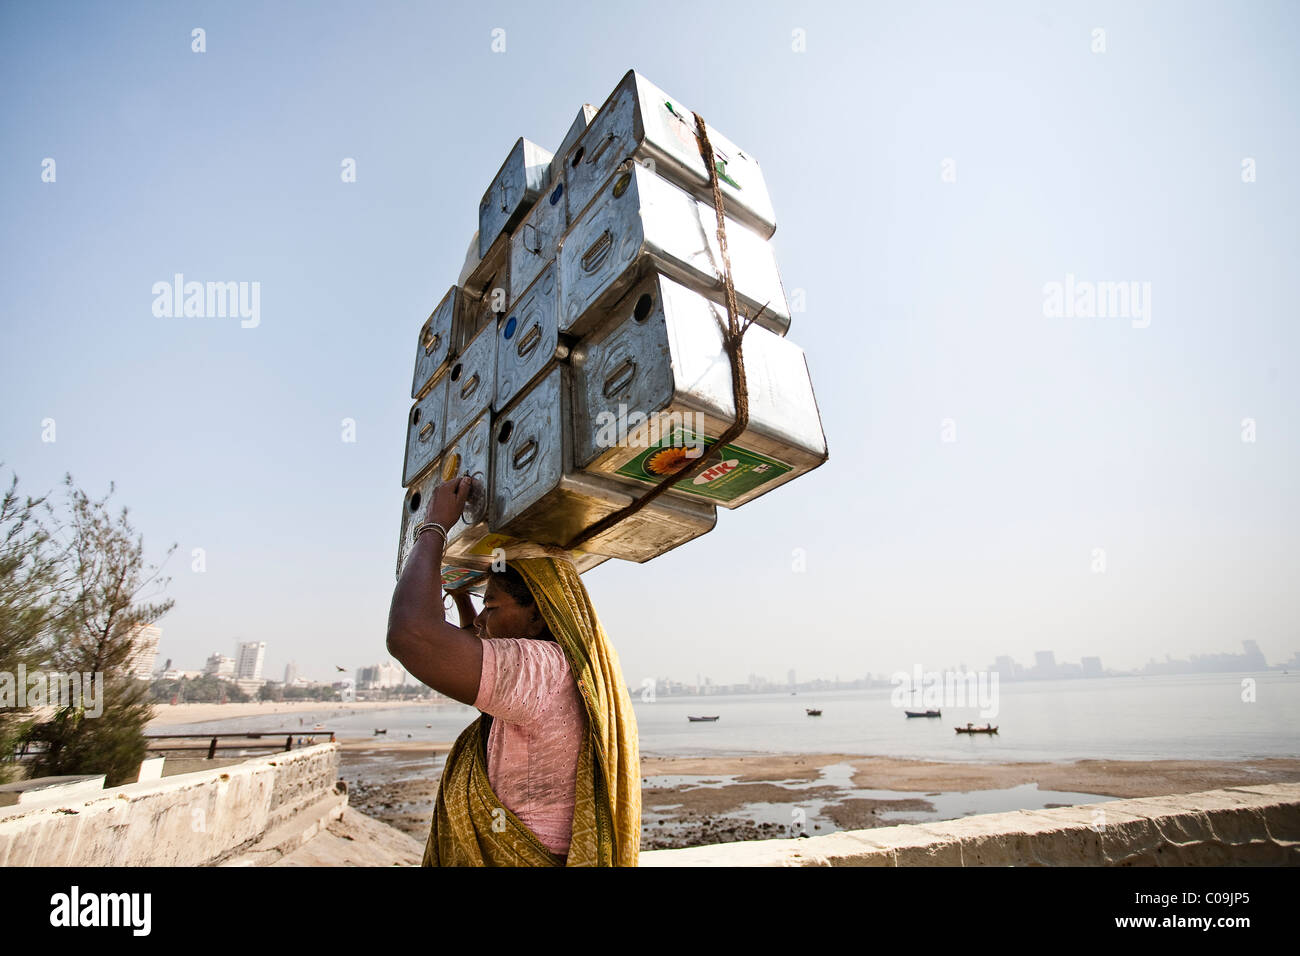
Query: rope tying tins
[{"x": 731, "y": 340}]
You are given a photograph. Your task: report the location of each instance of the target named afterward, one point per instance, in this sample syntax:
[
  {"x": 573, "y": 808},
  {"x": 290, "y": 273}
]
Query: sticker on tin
[
  {"x": 686, "y": 133},
  {"x": 453, "y": 577},
  {"x": 737, "y": 473}
]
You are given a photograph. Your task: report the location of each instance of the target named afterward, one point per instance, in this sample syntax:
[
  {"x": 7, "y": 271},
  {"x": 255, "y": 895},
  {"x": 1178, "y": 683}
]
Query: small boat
[
  {"x": 923, "y": 713},
  {"x": 380, "y": 730},
  {"x": 813, "y": 712},
  {"x": 318, "y": 727},
  {"x": 972, "y": 729},
  {"x": 715, "y": 717}
]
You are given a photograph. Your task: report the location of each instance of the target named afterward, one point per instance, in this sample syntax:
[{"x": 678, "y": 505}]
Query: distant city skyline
[{"x": 391, "y": 674}]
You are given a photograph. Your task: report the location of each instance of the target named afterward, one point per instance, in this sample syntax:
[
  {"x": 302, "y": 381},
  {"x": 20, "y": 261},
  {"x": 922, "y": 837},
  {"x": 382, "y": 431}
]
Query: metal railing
[{"x": 213, "y": 744}]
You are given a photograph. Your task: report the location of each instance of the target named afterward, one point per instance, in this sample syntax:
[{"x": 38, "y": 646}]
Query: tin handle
[
  {"x": 529, "y": 341},
  {"x": 431, "y": 340},
  {"x": 470, "y": 385},
  {"x": 426, "y": 432},
  {"x": 505, "y": 207},
  {"x": 620, "y": 378},
  {"x": 475, "y": 509},
  {"x": 596, "y": 153},
  {"x": 599, "y": 250},
  {"x": 525, "y": 455},
  {"x": 535, "y": 246}
]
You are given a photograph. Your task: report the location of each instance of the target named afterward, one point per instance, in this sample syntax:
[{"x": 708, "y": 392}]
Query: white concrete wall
[
  {"x": 1257, "y": 826},
  {"x": 185, "y": 820}
]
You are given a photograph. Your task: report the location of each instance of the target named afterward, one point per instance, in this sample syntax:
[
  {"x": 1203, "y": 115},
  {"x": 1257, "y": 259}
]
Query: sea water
[{"x": 1190, "y": 717}]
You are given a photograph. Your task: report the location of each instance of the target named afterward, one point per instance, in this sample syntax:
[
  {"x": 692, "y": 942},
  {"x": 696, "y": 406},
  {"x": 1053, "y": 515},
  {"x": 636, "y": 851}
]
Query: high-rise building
[
  {"x": 1254, "y": 657},
  {"x": 380, "y": 676},
  {"x": 1045, "y": 663},
  {"x": 1091, "y": 666},
  {"x": 290, "y": 673},
  {"x": 248, "y": 660},
  {"x": 144, "y": 651},
  {"x": 219, "y": 665}
]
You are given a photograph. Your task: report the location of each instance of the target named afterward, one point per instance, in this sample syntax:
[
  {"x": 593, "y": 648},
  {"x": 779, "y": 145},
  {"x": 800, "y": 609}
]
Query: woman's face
[{"x": 503, "y": 617}]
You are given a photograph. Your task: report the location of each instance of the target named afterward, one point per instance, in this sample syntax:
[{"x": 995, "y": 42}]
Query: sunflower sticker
[
  {"x": 738, "y": 472},
  {"x": 669, "y": 461}
]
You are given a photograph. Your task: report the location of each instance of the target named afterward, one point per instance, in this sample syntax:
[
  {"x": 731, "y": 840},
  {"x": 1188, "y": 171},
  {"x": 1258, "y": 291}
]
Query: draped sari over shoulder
[{"x": 471, "y": 827}]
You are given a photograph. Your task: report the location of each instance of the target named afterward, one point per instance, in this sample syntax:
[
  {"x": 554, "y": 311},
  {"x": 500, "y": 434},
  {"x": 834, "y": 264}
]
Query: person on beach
[{"x": 549, "y": 774}]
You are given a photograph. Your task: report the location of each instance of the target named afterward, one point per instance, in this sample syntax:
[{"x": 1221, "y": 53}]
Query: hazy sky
[{"x": 933, "y": 167}]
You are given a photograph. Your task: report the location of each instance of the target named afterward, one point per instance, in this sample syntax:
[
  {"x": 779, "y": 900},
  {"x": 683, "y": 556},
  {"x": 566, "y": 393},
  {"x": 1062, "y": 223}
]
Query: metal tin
[
  {"x": 434, "y": 346},
  {"x": 641, "y": 121},
  {"x": 472, "y": 259},
  {"x": 579, "y": 126},
  {"x": 489, "y": 283},
  {"x": 425, "y": 433},
  {"x": 538, "y": 496},
  {"x": 484, "y": 554},
  {"x": 415, "y": 505},
  {"x": 533, "y": 245},
  {"x": 529, "y": 339},
  {"x": 516, "y": 186},
  {"x": 640, "y": 222},
  {"x": 471, "y": 381},
  {"x": 652, "y": 390},
  {"x": 470, "y": 454}
]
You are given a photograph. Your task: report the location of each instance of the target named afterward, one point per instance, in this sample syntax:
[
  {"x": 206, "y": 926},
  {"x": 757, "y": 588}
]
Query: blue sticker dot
[
  {"x": 555, "y": 196},
  {"x": 510, "y": 327}
]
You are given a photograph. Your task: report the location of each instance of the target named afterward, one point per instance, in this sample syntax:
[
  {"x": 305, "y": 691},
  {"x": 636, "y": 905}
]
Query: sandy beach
[
  {"x": 691, "y": 801},
  {"x": 172, "y": 715}
]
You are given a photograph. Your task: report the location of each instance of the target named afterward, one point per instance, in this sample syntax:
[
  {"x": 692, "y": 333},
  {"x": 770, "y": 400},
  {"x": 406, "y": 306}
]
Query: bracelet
[{"x": 431, "y": 526}]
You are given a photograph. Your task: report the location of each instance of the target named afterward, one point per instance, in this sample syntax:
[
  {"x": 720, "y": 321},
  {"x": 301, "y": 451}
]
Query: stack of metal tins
[{"x": 579, "y": 359}]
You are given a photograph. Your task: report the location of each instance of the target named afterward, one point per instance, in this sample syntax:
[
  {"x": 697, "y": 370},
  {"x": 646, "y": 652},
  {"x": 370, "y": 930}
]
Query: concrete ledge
[
  {"x": 28, "y": 793},
  {"x": 192, "y": 819},
  {"x": 1237, "y": 826}
]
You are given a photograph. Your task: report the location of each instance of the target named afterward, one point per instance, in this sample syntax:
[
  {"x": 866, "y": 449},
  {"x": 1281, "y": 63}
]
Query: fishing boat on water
[
  {"x": 923, "y": 713},
  {"x": 972, "y": 729},
  {"x": 698, "y": 719},
  {"x": 813, "y": 711}
]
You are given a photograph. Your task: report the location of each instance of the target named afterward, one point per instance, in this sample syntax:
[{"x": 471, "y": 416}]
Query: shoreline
[
  {"x": 176, "y": 715},
  {"x": 693, "y": 801}
]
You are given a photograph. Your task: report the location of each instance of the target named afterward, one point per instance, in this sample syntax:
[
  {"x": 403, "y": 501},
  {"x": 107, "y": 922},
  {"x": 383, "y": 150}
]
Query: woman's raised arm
[{"x": 447, "y": 658}]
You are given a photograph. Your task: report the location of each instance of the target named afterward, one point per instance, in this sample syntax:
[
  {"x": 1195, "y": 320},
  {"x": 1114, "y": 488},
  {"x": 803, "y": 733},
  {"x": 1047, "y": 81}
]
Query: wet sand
[
  {"x": 1111, "y": 778},
  {"x": 691, "y": 801}
]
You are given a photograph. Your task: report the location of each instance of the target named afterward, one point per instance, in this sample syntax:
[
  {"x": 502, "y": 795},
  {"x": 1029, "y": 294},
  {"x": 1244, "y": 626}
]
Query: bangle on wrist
[{"x": 432, "y": 526}]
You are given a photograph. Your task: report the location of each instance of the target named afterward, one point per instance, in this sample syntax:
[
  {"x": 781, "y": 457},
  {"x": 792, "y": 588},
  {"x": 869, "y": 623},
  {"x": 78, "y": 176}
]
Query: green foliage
[
  {"x": 208, "y": 689},
  {"x": 29, "y": 582},
  {"x": 310, "y": 693},
  {"x": 96, "y": 617}
]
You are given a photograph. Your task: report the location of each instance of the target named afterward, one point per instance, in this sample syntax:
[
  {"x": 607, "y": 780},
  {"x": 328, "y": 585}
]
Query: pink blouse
[{"x": 538, "y": 728}]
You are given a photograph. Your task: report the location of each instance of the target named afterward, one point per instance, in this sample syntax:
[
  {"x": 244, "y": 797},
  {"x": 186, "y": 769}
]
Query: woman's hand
[
  {"x": 448, "y": 501},
  {"x": 466, "y": 608}
]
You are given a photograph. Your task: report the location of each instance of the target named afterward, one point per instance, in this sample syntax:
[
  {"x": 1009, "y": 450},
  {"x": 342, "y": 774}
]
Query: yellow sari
[{"x": 471, "y": 827}]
